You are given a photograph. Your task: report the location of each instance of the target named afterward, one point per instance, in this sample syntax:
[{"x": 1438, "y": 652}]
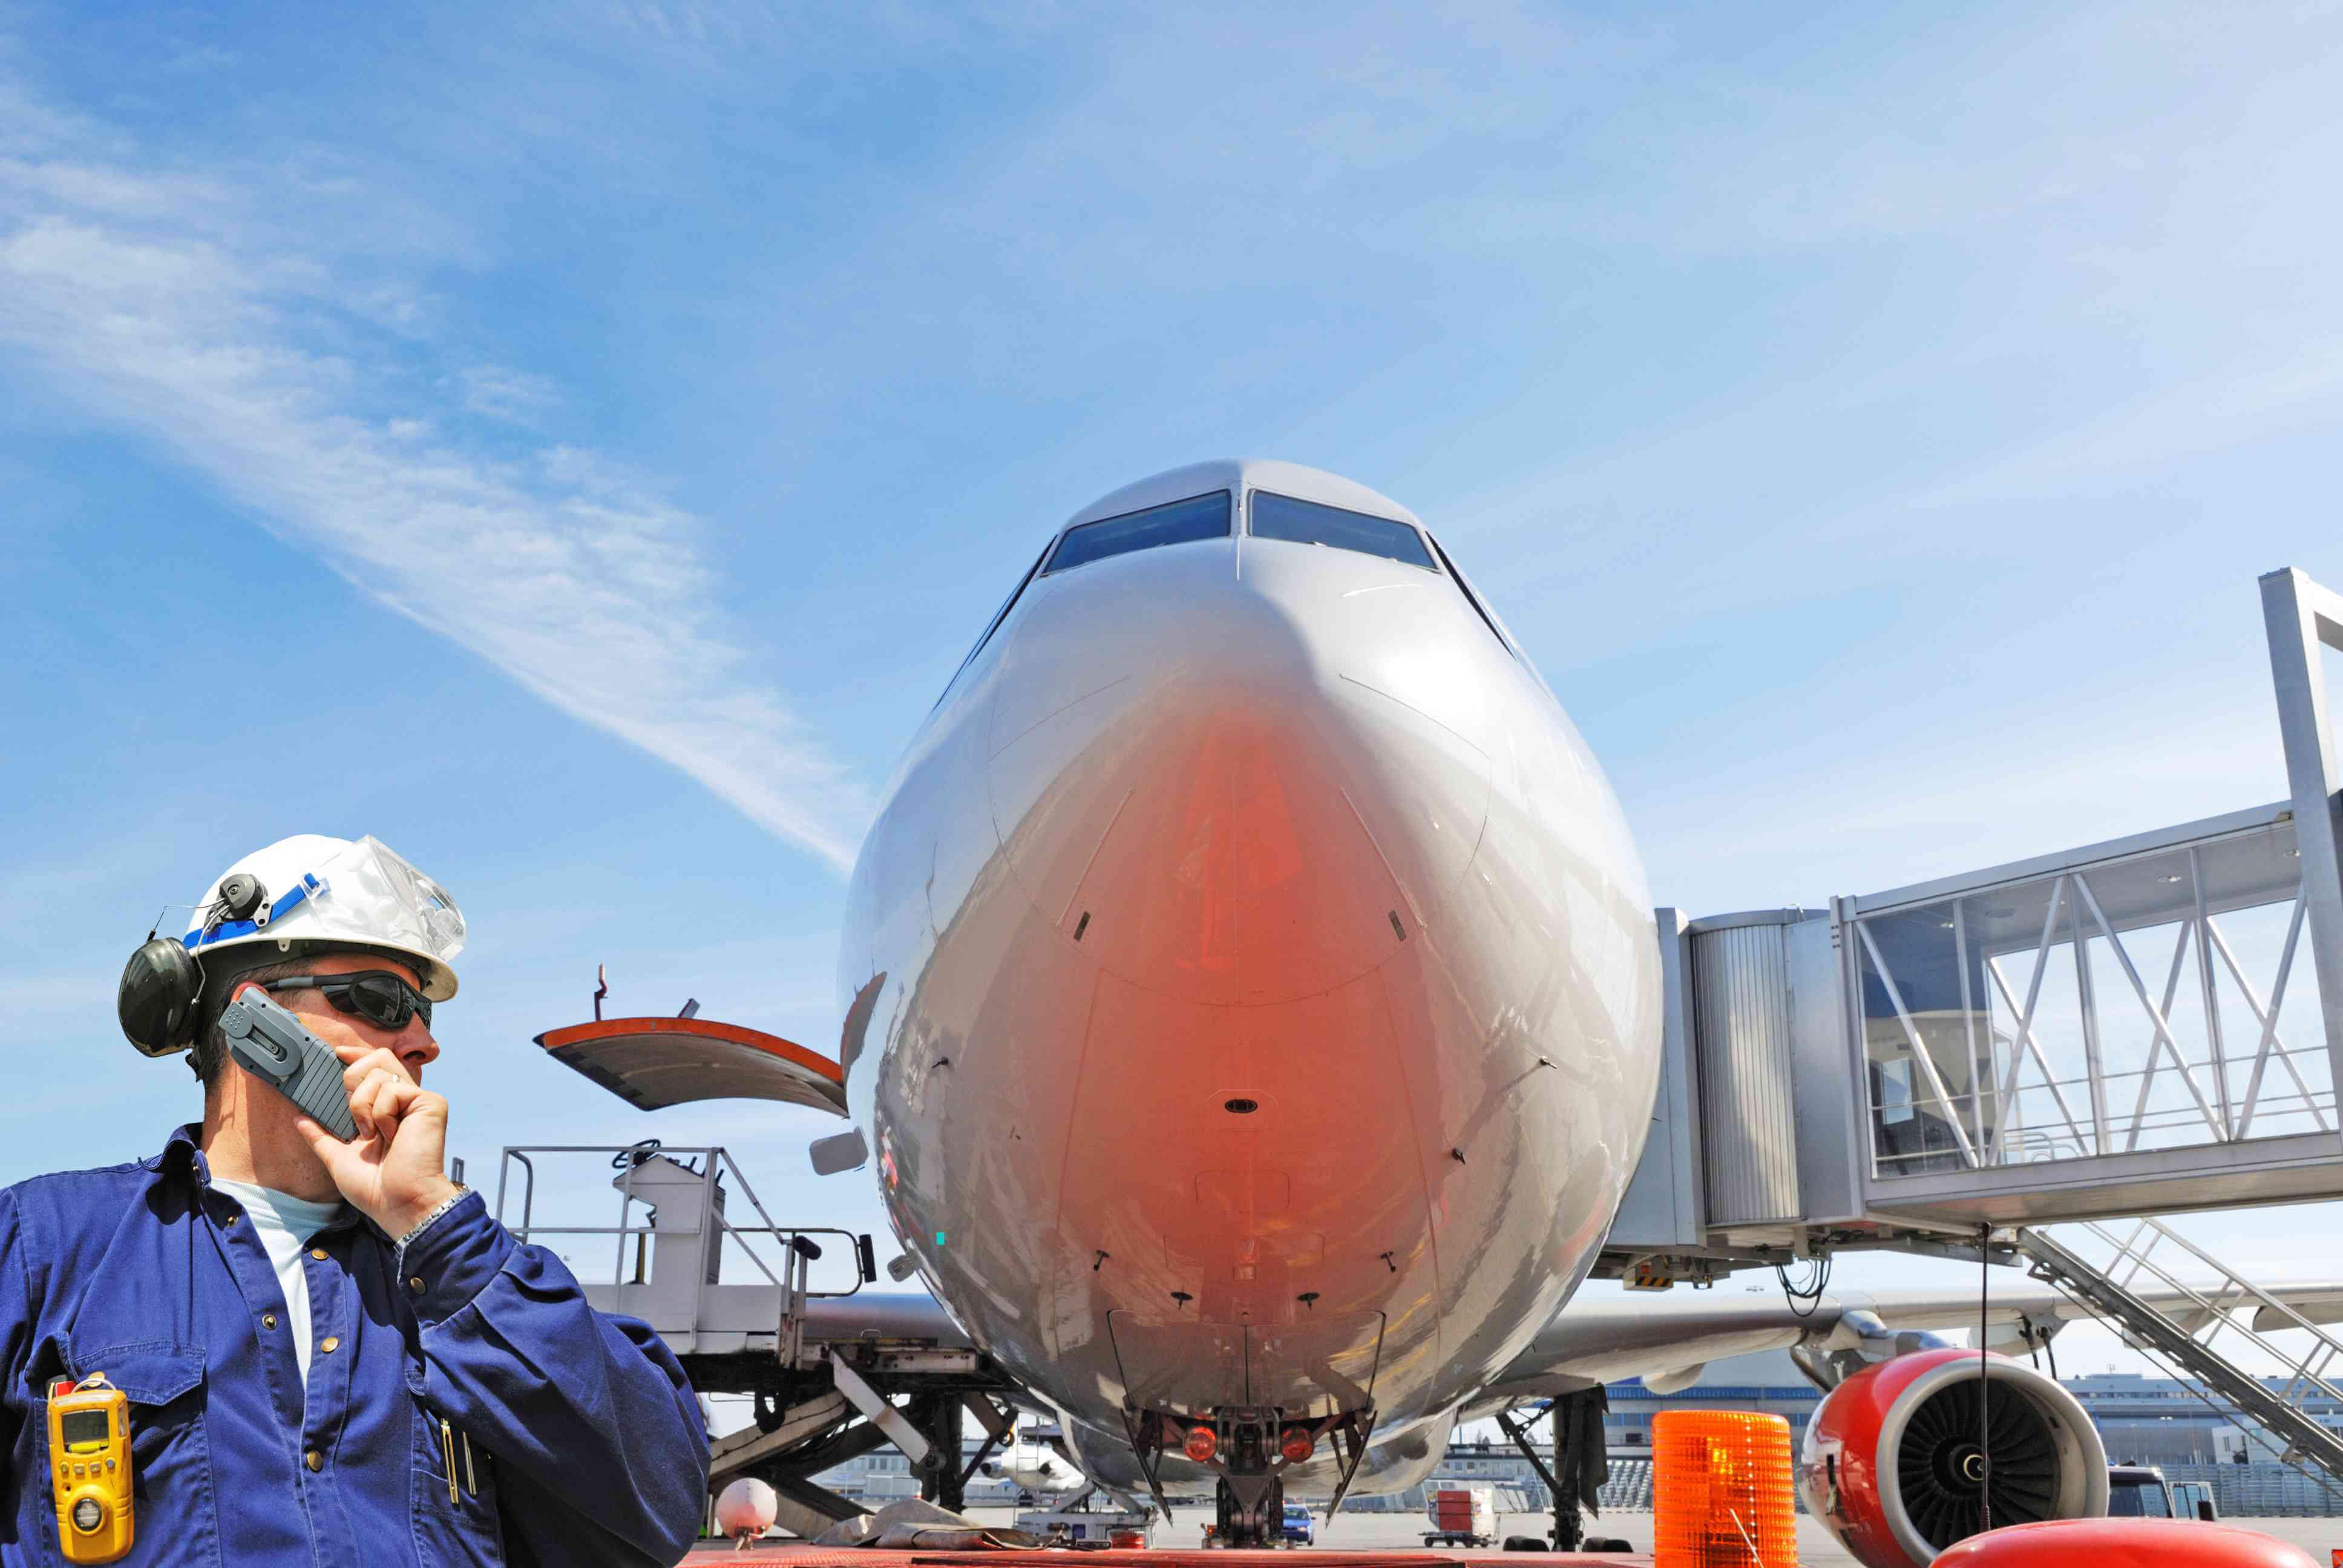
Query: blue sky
[{"x": 575, "y": 444}]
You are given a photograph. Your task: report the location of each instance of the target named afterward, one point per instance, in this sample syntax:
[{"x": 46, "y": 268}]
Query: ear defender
[{"x": 157, "y": 1000}]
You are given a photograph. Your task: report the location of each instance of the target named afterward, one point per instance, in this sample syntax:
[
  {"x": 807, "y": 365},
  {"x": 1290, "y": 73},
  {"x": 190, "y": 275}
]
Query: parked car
[
  {"x": 1298, "y": 1525},
  {"x": 2139, "y": 1490}
]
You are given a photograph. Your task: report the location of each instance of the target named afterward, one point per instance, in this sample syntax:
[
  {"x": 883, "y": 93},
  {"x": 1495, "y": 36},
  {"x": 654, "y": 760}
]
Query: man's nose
[{"x": 417, "y": 1047}]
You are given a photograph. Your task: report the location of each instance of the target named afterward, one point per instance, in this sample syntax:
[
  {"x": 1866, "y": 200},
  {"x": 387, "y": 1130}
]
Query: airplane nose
[{"x": 1194, "y": 782}]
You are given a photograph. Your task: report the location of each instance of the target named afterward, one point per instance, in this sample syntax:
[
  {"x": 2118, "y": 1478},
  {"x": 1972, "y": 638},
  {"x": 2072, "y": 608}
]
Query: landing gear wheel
[{"x": 1261, "y": 1525}]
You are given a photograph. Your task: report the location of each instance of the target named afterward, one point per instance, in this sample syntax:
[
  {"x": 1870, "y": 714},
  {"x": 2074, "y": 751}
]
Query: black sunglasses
[{"x": 378, "y": 996}]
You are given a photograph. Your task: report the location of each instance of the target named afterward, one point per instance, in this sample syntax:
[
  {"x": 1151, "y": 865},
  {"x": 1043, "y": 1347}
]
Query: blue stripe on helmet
[{"x": 300, "y": 894}]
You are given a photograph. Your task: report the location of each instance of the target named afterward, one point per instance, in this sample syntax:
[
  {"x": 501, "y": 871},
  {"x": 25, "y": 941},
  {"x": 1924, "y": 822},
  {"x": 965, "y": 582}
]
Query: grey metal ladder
[{"x": 2188, "y": 1339}]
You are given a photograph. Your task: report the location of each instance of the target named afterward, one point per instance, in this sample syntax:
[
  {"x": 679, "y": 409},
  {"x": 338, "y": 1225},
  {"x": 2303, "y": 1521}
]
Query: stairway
[{"x": 2191, "y": 1338}]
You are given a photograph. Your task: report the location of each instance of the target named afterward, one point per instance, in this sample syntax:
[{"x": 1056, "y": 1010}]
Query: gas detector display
[{"x": 82, "y": 1426}]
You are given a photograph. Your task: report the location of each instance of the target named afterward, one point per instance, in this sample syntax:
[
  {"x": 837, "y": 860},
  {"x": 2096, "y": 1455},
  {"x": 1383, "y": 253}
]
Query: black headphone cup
[{"x": 155, "y": 1002}]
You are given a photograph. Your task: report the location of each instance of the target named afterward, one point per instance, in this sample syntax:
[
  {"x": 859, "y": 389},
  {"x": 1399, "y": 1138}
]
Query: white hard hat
[{"x": 332, "y": 893}]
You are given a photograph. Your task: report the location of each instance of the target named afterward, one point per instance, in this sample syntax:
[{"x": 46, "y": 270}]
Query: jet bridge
[{"x": 2142, "y": 1026}]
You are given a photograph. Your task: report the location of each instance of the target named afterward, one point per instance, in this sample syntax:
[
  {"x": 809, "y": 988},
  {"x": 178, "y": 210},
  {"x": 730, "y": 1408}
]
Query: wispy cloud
[
  {"x": 2285, "y": 390},
  {"x": 501, "y": 392},
  {"x": 293, "y": 363}
]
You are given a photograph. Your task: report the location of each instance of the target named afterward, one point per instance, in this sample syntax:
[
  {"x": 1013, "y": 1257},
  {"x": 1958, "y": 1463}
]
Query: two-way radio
[{"x": 269, "y": 1043}]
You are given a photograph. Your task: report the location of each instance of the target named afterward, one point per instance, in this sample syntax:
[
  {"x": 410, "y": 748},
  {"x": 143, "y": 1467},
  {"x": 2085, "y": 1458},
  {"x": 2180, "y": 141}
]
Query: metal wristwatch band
[{"x": 432, "y": 1218}]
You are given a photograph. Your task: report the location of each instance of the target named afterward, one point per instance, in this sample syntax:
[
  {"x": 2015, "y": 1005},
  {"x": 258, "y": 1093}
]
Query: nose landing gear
[
  {"x": 1250, "y": 1447},
  {"x": 1250, "y": 1512}
]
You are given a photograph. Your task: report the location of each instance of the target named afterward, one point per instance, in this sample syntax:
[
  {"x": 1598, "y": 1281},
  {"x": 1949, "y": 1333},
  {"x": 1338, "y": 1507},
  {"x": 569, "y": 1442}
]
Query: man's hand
[{"x": 394, "y": 1171}]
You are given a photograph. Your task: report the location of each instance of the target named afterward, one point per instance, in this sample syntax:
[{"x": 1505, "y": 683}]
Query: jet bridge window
[
  {"x": 1175, "y": 523},
  {"x": 1276, "y": 517}
]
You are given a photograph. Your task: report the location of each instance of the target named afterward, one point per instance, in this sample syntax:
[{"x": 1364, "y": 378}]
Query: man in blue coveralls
[{"x": 333, "y": 1357}]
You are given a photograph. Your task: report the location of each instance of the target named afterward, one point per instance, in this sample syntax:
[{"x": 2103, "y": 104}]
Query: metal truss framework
[
  {"x": 2167, "y": 1030},
  {"x": 1985, "y": 1127}
]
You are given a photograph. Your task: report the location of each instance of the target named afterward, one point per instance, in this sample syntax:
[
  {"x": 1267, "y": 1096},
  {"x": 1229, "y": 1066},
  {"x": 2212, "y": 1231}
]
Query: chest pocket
[
  {"x": 455, "y": 1496},
  {"x": 174, "y": 1519}
]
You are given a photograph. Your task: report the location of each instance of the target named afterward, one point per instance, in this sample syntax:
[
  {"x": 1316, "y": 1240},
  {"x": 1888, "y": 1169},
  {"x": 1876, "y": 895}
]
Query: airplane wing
[{"x": 1667, "y": 1338}]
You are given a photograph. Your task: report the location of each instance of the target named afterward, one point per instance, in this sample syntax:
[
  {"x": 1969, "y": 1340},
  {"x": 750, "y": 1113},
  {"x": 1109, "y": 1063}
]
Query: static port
[{"x": 1241, "y": 1107}]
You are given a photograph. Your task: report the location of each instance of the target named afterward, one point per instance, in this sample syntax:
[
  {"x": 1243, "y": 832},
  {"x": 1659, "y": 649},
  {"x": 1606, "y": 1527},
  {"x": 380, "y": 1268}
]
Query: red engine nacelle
[{"x": 1894, "y": 1459}]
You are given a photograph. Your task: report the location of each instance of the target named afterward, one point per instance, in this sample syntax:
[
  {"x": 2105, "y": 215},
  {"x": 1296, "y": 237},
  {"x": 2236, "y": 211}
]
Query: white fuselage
[{"x": 1260, "y": 998}]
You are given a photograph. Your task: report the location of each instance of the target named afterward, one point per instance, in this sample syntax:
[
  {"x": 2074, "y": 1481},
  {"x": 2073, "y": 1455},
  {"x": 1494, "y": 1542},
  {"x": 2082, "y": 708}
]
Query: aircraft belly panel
[{"x": 1305, "y": 1210}]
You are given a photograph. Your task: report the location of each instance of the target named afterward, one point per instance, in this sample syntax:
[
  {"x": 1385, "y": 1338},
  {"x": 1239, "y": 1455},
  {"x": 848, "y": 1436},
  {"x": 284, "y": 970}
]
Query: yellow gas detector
[{"x": 89, "y": 1467}]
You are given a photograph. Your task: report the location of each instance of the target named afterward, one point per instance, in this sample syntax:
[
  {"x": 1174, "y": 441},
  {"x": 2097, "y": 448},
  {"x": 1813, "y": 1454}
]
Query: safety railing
[
  {"x": 2229, "y": 1312},
  {"x": 712, "y": 1167},
  {"x": 2208, "y": 1321}
]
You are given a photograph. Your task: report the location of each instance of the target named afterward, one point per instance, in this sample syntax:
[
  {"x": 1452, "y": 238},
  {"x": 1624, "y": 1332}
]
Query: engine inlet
[{"x": 1954, "y": 1466}]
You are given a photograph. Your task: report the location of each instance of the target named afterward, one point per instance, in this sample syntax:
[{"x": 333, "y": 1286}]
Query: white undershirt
[{"x": 284, "y": 1224}]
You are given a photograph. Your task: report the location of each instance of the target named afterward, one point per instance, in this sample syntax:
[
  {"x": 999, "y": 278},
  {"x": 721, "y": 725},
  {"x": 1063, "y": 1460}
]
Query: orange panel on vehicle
[{"x": 655, "y": 1062}]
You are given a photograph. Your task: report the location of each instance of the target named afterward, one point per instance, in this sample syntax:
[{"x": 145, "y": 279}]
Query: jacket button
[
  {"x": 314, "y": 1460},
  {"x": 319, "y": 1253},
  {"x": 416, "y": 1285},
  {"x": 268, "y": 1320},
  {"x": 330, "y": 1344}
]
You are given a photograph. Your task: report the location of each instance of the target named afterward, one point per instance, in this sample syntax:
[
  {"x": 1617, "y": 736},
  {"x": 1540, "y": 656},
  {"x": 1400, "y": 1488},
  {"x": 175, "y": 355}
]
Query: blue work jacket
[{"x": 464, "y": 1404}]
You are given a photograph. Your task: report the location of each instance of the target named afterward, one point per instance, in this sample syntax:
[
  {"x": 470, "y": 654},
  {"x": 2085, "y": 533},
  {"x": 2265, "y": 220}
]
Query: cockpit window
[
  {"x": 1458, "y": 578},
  {"x": 1175, "y": 523},
  {"x": 1276, "y": 517},
  {"x": 994, "y": 625}
]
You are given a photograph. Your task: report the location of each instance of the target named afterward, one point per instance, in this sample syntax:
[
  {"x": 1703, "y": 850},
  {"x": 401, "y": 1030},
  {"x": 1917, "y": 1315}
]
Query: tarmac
[{"x": 1364, "y": 1541}]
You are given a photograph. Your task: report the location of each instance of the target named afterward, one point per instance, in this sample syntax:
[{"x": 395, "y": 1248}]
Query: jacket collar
[{"x": 182, "y": 1152}]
